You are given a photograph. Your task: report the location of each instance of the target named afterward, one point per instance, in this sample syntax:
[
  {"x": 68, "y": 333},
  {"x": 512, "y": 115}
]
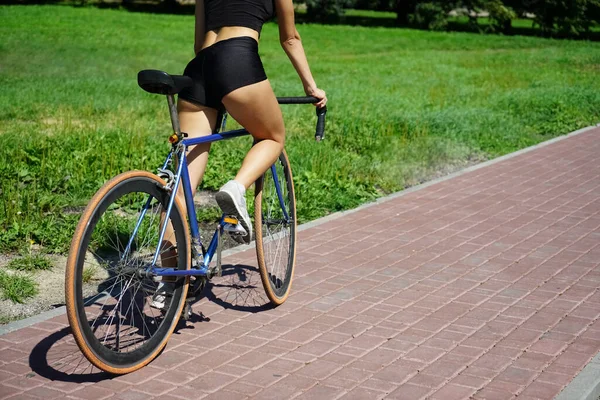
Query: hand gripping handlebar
[{"x": 321, "y": 112}]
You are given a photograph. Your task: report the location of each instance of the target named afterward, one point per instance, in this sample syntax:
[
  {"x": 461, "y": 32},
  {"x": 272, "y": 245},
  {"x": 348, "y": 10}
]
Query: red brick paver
[{"x": 485, "y": 285}]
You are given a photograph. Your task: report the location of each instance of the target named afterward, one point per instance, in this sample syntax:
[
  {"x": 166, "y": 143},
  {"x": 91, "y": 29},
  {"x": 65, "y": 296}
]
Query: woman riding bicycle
[
  {"x": 109, "y": 319},
  {"x": 228, "y": 73}
]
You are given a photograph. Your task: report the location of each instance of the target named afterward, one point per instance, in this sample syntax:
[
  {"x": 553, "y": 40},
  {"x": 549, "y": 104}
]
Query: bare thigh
[
  {"x": 255, "y": 107},
  {"x": 196, "y": 121}
]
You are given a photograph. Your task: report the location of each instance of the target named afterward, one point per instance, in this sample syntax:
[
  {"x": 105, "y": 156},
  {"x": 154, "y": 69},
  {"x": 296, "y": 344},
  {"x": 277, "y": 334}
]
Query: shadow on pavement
[
  {"x": 239, "y": 288},
  {"x": 58, "y": 358}
]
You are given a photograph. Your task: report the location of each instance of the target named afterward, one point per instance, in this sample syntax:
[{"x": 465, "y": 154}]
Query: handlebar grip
[
  {"x": 320, "y": 133},
  {"x": 297, "y": 100}
]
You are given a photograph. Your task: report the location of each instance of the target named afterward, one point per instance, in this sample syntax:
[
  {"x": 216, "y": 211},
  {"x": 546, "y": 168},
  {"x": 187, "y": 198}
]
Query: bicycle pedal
[
  {"x": 230, "y": 220},
  {"x": 236, "y": 230}
]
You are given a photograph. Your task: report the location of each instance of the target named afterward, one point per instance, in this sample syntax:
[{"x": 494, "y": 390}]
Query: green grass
[
  {"x": 404, "y": 104},
  {"x": 88, "y": 273},
  {"x": 17, "y": 287},
  {"x": 370, "y": 14},
  {"x": 5, "y": 319},
  {"x": 208, "y": 213},
  {"x": 30, "y": 263},
  {"x": 484, "y": 21}
]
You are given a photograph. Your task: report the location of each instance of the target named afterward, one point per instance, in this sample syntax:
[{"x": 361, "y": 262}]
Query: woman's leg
[
  {"x": 255, "y": 107},
  {"x": 196, "y": 121}
]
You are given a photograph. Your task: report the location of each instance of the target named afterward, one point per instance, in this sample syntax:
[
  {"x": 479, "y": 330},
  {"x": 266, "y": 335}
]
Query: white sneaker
[
  {"x": 231, "y": 200},
  {"x": 161, "y": 297}
]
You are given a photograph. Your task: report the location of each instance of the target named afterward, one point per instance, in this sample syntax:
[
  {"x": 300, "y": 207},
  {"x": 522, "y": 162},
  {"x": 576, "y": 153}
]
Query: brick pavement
[{"x": 485, "y": 285}]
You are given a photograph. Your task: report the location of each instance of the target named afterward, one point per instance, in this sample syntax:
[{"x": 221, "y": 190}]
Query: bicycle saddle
[{"x": 159, "y": 82}]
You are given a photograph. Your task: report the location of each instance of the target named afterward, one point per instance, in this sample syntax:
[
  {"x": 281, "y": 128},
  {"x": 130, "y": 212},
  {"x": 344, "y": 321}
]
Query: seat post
[{"x": 173, "y": 113}]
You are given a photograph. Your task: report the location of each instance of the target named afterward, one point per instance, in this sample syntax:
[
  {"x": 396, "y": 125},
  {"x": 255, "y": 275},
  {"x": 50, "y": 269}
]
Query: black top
[{"x": 248, "y": 13}]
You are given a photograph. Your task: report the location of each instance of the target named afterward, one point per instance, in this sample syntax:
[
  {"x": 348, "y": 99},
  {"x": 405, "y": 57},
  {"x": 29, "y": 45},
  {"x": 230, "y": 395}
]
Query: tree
[
  {"x": 326, "y": 10},
  {"x": 568, "y": 17},
  {"x": 432, "y": 14},
  {"x": 404, "y": 10},
  {"x": 377, "y": 5},
  {"x": 501, "y": 16}
]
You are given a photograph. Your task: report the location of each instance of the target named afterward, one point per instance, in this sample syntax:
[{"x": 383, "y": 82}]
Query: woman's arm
[
  {"x": 200, "y": 26},
  {"x": 292, "y": 45}
]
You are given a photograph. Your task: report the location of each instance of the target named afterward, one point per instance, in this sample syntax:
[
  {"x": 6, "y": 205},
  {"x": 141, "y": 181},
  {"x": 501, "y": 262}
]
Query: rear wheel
[
  {"x": 111, "y": 304},
  {"x": 275, "y": 229}
]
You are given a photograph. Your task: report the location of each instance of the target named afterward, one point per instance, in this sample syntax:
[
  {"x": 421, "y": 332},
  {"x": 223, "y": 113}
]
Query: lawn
[{"x": 405, "y": 106}]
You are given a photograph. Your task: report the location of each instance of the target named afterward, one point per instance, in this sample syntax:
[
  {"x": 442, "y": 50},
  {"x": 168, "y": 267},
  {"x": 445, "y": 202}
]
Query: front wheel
[
  {"x": 120, "y": 317},
  {"x": 275, "y": 229}
]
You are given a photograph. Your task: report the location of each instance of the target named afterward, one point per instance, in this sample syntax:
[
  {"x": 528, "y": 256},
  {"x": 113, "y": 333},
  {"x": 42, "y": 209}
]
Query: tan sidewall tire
[
  {"x": 71, "y": 269},
  {"x": 264, "y": 273}
]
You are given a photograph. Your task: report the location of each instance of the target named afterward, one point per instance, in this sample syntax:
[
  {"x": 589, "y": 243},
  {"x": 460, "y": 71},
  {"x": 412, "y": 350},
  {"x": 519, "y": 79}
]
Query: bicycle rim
[
  {"x": 108, "y": 298},
  {"x": 275, "y": 228}
]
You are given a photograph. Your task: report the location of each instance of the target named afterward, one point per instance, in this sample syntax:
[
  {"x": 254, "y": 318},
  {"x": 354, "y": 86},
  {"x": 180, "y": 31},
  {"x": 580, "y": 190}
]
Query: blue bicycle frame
[
  {"x": 180, "y": 146},
  {"x": 183, "y": 177}
]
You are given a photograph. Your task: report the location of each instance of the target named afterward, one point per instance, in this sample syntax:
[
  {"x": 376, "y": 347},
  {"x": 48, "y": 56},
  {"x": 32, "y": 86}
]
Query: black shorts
[{"x": 222, "y": 68}]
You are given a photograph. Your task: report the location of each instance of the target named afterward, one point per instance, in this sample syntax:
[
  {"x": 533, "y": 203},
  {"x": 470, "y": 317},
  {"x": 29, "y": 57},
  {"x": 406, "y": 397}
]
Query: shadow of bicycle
[
  {"x": 238, "y": 288},
  {"x": 57, "y": 357}
]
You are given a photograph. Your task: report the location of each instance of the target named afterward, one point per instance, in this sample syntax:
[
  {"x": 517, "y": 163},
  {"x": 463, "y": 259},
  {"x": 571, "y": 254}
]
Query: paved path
[{"x": 485, "y": 285}]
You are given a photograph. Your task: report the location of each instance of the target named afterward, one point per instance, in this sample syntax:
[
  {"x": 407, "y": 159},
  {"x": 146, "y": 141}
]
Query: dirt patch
[
  {"x": 205, "y": 198},
  {"x": 50, "y": 295}
]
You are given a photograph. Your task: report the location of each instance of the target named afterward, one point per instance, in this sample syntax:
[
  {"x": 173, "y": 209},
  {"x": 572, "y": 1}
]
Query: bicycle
[{"x": 120, "y": 254}]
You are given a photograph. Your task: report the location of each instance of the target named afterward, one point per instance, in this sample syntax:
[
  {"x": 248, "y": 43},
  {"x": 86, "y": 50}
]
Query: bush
[
  {"x": 326, "y": 10},
  {"x": 567, "y": 17},
  {"x": 501, "y": 16},
  {"x": 431, "y": 16},
  {"x": 570, "y": 18},
  {"x": 377, "y": 5},
  {"x": 405, "y": 10}
]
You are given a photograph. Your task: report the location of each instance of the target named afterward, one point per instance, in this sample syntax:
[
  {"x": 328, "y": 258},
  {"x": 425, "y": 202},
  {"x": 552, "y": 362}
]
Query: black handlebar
[
  {"x": 297, "y": 100},
  {"x": 320, "y": 133},
  {"x": 321, "y": 112}
]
